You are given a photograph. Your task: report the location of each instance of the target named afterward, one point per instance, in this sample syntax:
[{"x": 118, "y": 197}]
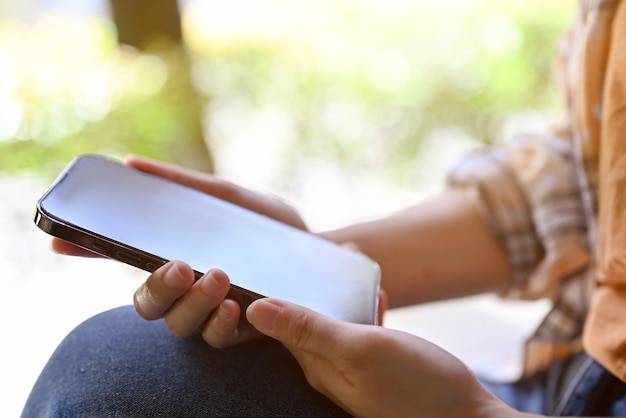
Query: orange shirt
[
  {"x": 557, "y": 202},
  {"x": 605, "y": 332}
]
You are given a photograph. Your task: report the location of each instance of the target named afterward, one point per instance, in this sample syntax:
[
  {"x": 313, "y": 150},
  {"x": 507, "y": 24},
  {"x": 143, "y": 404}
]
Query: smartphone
[{"x": 144, "y": 220}]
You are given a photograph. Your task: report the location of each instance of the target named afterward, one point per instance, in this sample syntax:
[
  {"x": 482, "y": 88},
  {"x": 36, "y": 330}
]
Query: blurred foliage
[
  {"x": 359, "y": 82},
  {"x": 68, "y": 89}
]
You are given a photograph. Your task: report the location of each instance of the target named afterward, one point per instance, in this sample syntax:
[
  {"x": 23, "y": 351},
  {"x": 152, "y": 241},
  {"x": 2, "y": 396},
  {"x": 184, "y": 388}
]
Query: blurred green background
[{"x": 207, "y": 84}]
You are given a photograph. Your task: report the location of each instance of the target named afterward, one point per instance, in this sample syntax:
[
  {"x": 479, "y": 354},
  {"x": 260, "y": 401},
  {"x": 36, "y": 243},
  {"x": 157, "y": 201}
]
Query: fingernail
[
  {"x": 214, "y": 282},
  {"x": 173, "y": 276},
  {"x": 262, "y": 315},
  {"x": 223, "y": 314}
]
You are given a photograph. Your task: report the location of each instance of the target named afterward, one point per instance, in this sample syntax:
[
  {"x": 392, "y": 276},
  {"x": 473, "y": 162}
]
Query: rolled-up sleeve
[{"x": 528, "y": 193}]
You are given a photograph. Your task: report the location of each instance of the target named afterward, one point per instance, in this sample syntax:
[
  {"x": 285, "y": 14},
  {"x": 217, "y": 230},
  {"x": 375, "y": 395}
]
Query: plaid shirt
[{"x": 538, "y": 193}]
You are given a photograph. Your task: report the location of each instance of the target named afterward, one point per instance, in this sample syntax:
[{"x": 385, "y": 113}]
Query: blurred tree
[
  {"x": 369, "y": 91},
  {"x": 154, "y": 26}
]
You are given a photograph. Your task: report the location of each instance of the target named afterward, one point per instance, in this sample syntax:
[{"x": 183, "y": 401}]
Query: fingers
[
  {"x": 162, "y": 289},
  {"x": 189, "y": 314},
  {"x": 192, "y": 308},
  {"x": 221, "y": 330},
  {"x": 296, "y": 326},
  {"x": 222, "y": 189},
  {"x": 170, "y": 292},
  {"x": 194, "y": 179},
  {"x": 225, "y": 327},
  {"x": 60, "y": 246}
]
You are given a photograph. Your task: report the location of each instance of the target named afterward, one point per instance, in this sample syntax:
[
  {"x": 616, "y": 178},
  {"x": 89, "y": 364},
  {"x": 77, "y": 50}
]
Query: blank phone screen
[{"x": 98, "y": 196}]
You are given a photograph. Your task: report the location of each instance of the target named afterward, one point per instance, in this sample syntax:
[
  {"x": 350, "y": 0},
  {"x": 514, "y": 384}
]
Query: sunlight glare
[
  {"x": 92, "y": 100},
  {"x": 10, "y": 118},
  {"x": 499, "y": 33},
  {"x": 147, "y": 75}
]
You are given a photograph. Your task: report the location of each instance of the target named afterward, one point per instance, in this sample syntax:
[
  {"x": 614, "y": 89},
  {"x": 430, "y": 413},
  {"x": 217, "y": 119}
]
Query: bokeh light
[{"x": 359, "y": 82}]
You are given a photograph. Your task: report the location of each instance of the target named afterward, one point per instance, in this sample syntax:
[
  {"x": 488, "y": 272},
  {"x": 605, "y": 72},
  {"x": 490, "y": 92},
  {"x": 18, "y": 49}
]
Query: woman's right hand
[{"x": 373, "y": 371}]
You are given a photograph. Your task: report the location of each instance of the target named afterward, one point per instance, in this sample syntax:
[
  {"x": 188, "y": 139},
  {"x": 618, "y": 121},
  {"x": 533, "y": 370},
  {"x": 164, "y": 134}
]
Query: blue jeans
[
  {"x": 118, "y": 365},
  {"x": 577, "y": 386}
]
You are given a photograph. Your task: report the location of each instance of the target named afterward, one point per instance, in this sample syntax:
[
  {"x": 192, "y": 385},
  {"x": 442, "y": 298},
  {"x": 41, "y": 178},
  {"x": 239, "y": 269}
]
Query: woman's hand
[
  {"x": 372, "y": 371},
  {"x": 192, "y": 308},
  {"x": 205, "y": 306},
  {"x": 200, "y": 308}
]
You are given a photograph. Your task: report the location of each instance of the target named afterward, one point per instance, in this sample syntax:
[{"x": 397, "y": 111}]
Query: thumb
[{"x": 294, "y": 325}]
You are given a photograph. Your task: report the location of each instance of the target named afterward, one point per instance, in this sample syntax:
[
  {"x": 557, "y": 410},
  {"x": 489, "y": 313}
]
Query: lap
[{"x": 117, "y": 364}]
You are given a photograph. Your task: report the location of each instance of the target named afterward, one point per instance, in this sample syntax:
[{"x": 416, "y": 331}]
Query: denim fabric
[
  {"x": 527, "y": 395},
  {"x": 593, "y": 391},
  {"x": 119, "y": 365},
  {"x": 578, "y": 386}
]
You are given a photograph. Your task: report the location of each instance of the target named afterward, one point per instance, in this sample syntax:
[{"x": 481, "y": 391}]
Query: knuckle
[
  {"x": 358, "y": 356},
  {"x": 138, "y": 305},
  {"x": 153, "y": 305},
  {"x": 175, "y": 330},
  {"x": 197, "y": 305},
  {"x": 140, "y": 310},
  {"x": 301, "y": 328},
  {"x": 146, "y": 305},
  {"x": 217, "y": 342},
  {"x": 219, "y": 333},
  {"x": 208, "y": 293},
  {"x": 219, "y": 338}
]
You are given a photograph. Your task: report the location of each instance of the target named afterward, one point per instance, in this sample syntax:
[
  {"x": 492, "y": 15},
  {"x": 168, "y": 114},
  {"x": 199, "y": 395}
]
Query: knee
[{"x": 111, "y": 330}]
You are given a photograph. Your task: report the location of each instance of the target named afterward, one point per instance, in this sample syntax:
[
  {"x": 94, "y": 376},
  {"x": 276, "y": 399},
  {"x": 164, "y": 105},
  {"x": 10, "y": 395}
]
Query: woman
[{"x": 524, "y": 220}]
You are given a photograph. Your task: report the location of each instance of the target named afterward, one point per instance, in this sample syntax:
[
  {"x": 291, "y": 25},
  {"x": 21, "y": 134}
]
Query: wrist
[
  {"x": 484, "y": 404},
  {"x": 498, "y": 409}
]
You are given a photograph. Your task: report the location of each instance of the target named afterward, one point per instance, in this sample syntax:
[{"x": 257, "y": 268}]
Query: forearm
[{"x": 438, "y": 249}]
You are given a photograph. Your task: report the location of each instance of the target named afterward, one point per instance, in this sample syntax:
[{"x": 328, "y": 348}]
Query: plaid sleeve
[{"x": 529, "y": 195}]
